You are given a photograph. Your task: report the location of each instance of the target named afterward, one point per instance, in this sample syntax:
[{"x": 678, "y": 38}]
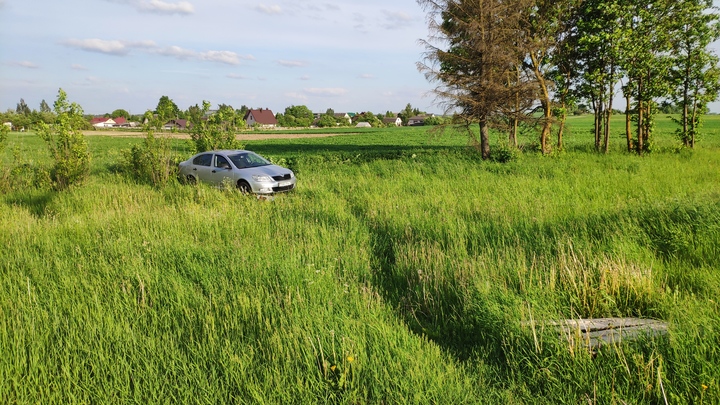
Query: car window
[
  {"x": 203, "y": 160},
  {"x": 240, "y": 160},
  {"x": 256, "y": 160},
  {"x": 248, "y": 159},
  {"x": 220, "y": 161}
]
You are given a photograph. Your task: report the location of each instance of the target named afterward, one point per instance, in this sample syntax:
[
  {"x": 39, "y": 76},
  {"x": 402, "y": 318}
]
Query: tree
[
  {"x": 120, "y": 113},
  {"x": 405, "y": 114},
  {"x": 370, "y": 118},
  {"x": 66, "y": 143},
  {"x": 44, "y": 107},
  {"x": 643, "y": 52},
  {"x": 482, "y": 53},
  {"x": 242, "y": 111},
  {"x": 22, "y": 108},
  {"x": 166, "y": 109},
  {"x": 545, "y": 30},
  {"x": 327, "y": 121},
  {"x": 595, "y": 47},
  {"x": 151, "y": 120},
  {"x": 695, "y": 72},
  {"x": 216, "y": 131},
  {"x": 296, "y": 116}
]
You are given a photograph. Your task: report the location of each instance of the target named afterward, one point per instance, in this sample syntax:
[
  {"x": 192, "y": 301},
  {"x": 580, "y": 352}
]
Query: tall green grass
[{"x": 402, "y": 270}]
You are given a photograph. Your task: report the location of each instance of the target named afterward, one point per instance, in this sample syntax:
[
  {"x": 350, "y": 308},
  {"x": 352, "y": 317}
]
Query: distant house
[
  {"x": 121, "y": 122},
  {"x": 262, "y": 117},
  {"x": 390, "y": 121},
  {"x": 102, "y": 122},
  {"x": 363, "y": 124},
  {"x": 9, "y": 125},
  {"x": 416, "y": 120},
  {"x": 176, "y": 124},
  {"x": 344, "y": 116}
]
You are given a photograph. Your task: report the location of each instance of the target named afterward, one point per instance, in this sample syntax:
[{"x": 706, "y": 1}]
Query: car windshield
[{"x": 248, "y": 159}]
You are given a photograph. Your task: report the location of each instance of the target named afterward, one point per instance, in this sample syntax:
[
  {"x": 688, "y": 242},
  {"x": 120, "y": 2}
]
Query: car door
[
  {"x": 221, "y": 170},
  {"x": 202, "y": 167}
]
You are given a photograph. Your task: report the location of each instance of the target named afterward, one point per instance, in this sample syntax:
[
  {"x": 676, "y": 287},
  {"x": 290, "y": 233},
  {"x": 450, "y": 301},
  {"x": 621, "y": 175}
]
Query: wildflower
[
  {"x": 333, "y": 367},
  {"x": 350, "y": 359},
  {"x": 704, "y": 387}
]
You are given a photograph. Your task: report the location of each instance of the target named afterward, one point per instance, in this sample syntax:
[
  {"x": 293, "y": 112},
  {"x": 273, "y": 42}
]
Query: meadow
[{"x": 403, "y": 269}]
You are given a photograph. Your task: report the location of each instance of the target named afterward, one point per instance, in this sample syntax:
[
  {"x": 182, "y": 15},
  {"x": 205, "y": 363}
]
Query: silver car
[{"x": 248, "y": 171}]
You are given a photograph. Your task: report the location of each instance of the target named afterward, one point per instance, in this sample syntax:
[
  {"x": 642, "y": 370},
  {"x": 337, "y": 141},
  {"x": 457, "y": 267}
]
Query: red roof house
[
  {"x": 101, "y": 122},
  {"x": 262, "y": 117}
]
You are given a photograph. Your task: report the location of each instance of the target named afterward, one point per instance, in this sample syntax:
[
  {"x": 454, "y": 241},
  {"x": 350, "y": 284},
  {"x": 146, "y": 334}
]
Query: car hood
[{"x": 270, "y": 170}]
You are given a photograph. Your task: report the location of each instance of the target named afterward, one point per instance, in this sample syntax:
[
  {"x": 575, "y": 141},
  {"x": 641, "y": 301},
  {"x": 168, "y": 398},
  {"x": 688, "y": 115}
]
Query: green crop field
[{"x": 403, "y": 269}]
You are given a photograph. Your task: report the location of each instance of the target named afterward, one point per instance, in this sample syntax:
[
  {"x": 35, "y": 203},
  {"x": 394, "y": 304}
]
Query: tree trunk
[
  {"x": 484, "y": 139},
  {"x": 628, "y": 124},
  {"x": 597, "y": 109},
  {"x": 561, "y": 129},
  {"x": 545, "y": 102},
  {"x": 693, "y": 124},
  {"x": 686, "y": 101},
  {"x": 640, "y": 135},
  {"x": 515, "y": 120},
  {"x": 608, "y": 114},
  {"x": 513, "y": 132}
]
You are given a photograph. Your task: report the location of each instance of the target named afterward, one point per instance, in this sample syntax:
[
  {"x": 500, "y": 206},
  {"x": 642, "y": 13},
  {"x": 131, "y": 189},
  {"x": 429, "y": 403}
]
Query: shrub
[
  {"x": 66, "y": 143},
  {"x": 503, "y": 153},
  {"x": 216, "y": 131},
  {"x": 150, "y": 162}
]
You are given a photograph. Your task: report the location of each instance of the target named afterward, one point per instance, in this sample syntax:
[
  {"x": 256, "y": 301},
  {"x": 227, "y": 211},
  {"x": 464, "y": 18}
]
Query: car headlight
[{"x": 262, "y": 178}]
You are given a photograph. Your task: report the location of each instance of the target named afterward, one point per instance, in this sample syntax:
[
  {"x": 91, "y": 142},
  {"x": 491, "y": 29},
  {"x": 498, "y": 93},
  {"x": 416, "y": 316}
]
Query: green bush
[
  {"x": 503, "y": 153},
  {"x": 66, "y": 144},
  {"x": 150, "y": 162}
]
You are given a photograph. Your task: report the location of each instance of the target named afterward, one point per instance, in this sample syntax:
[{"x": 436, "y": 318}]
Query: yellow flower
[
  {"x": 704, "y": 387},
  {"x": 350, "y": 359},
  {"x": 332, "y": 368}
]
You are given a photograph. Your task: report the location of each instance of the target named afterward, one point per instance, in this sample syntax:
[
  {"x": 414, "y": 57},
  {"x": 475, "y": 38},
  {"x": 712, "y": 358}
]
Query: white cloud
[
  {"x": 236, "y": 76},
  {"x": 270, "y": 10},
  {"x": 99, "y": 45},
  {"x": 366, "y": 76},
  {"x": 25, "y": 64},
  {"x": 159, "y": 6},
  {"x": 296, "y": 96},
  {"x": 291, "y": 63},
  {"x": 76, "y": 66},
  {"x": 162, "y": 7},
  {"x": 305, "y": 78},
  {"x": 177, "y": 52},
  {"x": 227, "y": 57},
  {"x": 326, "y": 92},
  {"x": 396, "y": 20}
]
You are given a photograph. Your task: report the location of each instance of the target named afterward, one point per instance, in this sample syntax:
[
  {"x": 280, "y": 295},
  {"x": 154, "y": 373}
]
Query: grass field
[{"x": 401, "y": 270}]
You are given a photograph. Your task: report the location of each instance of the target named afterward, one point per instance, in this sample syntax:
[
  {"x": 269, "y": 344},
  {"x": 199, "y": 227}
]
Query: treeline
[
  {"x": 502, "y": 63},
  {"x": 25, "y": 118}
]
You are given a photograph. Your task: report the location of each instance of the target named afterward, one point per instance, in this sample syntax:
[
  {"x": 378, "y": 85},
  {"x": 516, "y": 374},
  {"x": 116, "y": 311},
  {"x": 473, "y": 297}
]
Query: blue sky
[{"x": 110, "y": 54}]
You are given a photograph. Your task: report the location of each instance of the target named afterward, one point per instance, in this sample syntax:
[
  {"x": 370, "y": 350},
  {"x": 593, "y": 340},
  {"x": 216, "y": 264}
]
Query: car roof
[{"x": 226, "y": 151}]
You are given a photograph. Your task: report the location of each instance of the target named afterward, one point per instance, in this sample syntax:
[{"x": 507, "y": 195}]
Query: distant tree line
[
  {"x": 502, "y": 63},
  {"x": 299, "y": 116}
]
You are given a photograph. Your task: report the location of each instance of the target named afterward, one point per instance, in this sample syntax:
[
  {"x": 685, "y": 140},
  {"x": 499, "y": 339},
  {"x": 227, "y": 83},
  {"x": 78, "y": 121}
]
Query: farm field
[{"x": 403, "y": 269}]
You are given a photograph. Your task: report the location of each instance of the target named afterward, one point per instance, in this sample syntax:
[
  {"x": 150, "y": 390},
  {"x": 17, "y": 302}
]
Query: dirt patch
[{"x": 242, "y": 137}]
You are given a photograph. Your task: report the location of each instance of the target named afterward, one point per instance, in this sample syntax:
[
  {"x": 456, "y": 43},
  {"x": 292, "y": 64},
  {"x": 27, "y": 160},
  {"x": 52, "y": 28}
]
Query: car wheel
[
  {"x": 190, "y": 179},
  {"x": 244, "y": 187}
]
